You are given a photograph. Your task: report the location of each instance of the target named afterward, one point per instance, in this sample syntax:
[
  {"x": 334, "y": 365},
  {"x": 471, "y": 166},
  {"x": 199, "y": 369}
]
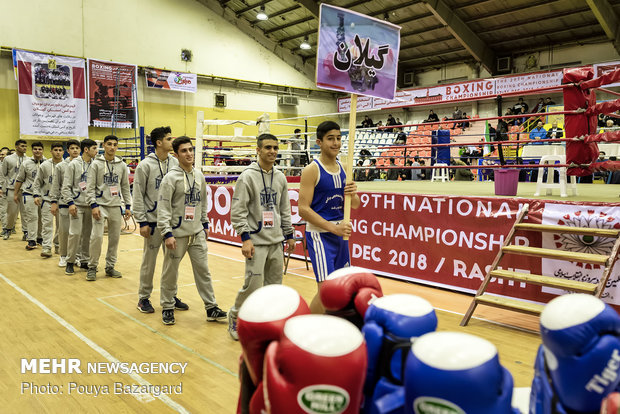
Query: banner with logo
[
  {"x": 451, "y": 241},
  {"x": 462, "y": 91},
  {"x": 51, "y": 95},
  {"x": 173, "y": 81},
  {"x": 356, "y": 53},
  {"x": 112, "y": 94},
  {"x": 601, "y": 217},
  {"x": 603, "y": 68}
]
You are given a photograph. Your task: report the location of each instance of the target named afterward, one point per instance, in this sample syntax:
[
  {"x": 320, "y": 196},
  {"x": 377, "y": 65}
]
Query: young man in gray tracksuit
[
  {"x": 107, "y": 181},
  {"x": 24, "y": 182},
  {"x": 41, "y": 193},
  {"x": 59, "y": 209},
  {"x": 10, "y": 167},
  {"x": 73, "y": 194},
  {"x": 147, "y": 180},
  {"x": 4, "y": 152},
  {"x": 261, "y": 215},
  {"x": 183, "y": 223}
]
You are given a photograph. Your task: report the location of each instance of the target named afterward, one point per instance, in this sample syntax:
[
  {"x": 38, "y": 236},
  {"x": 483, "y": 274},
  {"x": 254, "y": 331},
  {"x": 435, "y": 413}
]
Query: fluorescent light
[
  {"x": 261, "y": 15},
  {"x": 305, "y": 45}
]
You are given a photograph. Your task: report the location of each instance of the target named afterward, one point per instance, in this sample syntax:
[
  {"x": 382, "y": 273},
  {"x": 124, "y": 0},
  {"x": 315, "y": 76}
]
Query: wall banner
[
  {"x": 173, "y": 81},
  {"x": 52, "y": 95},
  {"x": 451, "y": 241},
  {"x": 112, "y": 94},
  {"x": 356, "y": 53}
]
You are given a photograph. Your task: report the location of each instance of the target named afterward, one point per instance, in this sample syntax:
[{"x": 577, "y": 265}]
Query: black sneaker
[
  {"x": 144, "y": 306},
  {"x": 216, "y": 314},
  {"x": 31, "y": 245},
  {"x": 69, "y": 269},
  {"x": 167, "y": 316},
  {"x": 180, "y": 305},
  {"x": 25, "y": 236},
  {"x": 84, "y": 265},
  {"x": 6, "y": 234},
  {"x": 40, "y": 242}
]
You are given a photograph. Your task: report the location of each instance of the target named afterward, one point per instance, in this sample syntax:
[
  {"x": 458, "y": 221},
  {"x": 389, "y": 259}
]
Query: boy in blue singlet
[{"x": 321, "y": 205}]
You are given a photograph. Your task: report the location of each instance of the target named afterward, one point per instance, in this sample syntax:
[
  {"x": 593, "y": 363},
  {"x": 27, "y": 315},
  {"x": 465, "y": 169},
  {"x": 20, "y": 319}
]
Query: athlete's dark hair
[
  {"x": 36, "y": 144},
  {"x": 57, "y": 144},
  {"x": 72, "y": 142},
  {"x": 87, "y": 143},
  {"x": 325, "y": 127},
  {"x": 263, "y": 137},
  {"x": 158, "y": 134},
  {"x": 180, "y": 141},
  {"x": 20, "y": 141},
  {"x": 110, "y": 138}
]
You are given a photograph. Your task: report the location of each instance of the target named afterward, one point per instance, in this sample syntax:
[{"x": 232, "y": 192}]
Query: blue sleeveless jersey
[{"x": 328, "y": 199}]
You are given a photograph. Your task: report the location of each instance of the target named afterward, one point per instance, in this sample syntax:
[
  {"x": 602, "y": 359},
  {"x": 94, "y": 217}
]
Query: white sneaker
[{"x": 63, "y": 261}]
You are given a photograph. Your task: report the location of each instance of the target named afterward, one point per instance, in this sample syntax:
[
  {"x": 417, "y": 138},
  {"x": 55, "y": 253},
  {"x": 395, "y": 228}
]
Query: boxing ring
[{"x": 444, "y": 239}]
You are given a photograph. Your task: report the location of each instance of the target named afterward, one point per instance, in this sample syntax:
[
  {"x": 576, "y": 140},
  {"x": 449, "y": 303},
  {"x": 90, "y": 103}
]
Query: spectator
[
  {"x": 379, "y": 125},
  {"x": 390, "y": 121},
  {"x": 415, "y": 173},
  {"x": 367, "y": 122},
  {"x": 501, "y": 133},
  {"x": 548, "y": 101},
  {"x": 432, "y": 117},
  {"x": 398, "y": 122},
  {"x": 539, "y": 133},
  {"x": 466, "y": 123},
  {"x": 520, "y": 107},
  {"x": 555, "y": 131},
  {"x": 462, "y": 174},
  {"x": 601, "y": 120},
  {"x": 609, "y": 126},
  {"x": 540, "y": 106},
  {"x": 401, "y": 139},
  {"x": 392, "y": 173},
  {"x": 358, "y": 174},
  {"x": 601, "y": 174},
  {"x": 457, "y": 114},
  {"x": 373, "y": 172}
]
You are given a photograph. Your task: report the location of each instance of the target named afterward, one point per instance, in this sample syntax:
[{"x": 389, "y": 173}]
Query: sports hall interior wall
[{"x": 152, "y": 33}]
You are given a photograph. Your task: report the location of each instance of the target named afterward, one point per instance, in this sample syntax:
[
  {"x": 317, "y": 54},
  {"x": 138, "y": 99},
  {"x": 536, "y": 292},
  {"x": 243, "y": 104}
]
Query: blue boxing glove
[
  {"x": 579, "y": 362},
  {"x": 390, "y": 324},
  {"x": 454, "y": 372}
]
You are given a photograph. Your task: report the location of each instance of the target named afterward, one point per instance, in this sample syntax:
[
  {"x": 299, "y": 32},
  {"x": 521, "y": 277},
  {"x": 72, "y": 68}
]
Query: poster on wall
[
  {"x": 603, "y": 68},
  {"x": 172, "y": 81},
  {"x": 112, "y": 97},
  {"x": 51, "y": 94},
  {"x": 357, "y": 53}
]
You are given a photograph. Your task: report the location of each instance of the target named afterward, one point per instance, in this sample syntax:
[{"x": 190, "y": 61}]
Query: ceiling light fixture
[
  {"x": 261, "y": 15},
  {"x": 305, "y": 45}
]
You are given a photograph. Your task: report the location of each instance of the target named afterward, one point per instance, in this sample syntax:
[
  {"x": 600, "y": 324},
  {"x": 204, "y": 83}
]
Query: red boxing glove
[
  {"x": 348, "y": 292},
  {"x": 319, "y": 365},
  {"x": 261, "y": 320},
  {"x": 611, "y": 404}
]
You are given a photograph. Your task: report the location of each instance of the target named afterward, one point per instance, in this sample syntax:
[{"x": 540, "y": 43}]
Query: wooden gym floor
[{"x": 50, "y": 315}]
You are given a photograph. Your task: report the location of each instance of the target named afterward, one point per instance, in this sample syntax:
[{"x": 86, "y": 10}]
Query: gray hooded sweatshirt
[
  {"x": 75, "y": 173},
  {"x": 27, "y": 173},
  {"x": 107, "y": 181},
  {"x": 43, "y": 181},
  {"x": 59, "y": 173},
  {"x": 177, "y": 191},
  {"x": 257, "y": 191},
  {"x": 146, "y": 182},
  {"x": 10, "y": 167}
]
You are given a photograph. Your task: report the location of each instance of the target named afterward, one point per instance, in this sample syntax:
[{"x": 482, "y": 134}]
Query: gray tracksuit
[
  {"x": 76, "y": 178},
  {"x": 147, "y": 180},
  {"x": 106, "y": 182},
  {"x": 258, "y": 191},
  {"x": 63, "y": 212},
  {"x": 26, "y": 175},
  {"x": 179, "y": 190},
  {"x": 2, "y": 199},
  {"x": 10, "y": 167},
  {"x": 41, "y": 188}
]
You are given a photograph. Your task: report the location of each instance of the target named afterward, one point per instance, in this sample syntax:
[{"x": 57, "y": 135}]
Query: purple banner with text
[{"x": 357, "y": 53}]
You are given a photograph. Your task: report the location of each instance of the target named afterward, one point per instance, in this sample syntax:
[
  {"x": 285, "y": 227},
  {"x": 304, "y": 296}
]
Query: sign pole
[{"x": 350, "y": 157}]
